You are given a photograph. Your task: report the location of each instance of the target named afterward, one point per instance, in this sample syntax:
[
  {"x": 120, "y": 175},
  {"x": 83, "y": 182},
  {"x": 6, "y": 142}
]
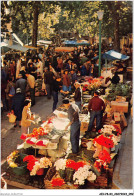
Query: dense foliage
[{"x": 43, "y": 19}]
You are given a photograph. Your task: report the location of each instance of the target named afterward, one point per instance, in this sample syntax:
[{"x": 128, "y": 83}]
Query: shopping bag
[{"x": 12, "y": 118}]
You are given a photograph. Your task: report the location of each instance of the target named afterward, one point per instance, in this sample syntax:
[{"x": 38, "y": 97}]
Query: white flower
[
  {"x": 81, "y": 174},
  {"x": 91, "y": 176},
  {"x": 60, "y": 164},
  {"x": 36, "y": 167}
]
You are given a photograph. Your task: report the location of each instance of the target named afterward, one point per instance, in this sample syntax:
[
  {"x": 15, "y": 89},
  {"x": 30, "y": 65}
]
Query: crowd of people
[{"x": 59, "y": 72}]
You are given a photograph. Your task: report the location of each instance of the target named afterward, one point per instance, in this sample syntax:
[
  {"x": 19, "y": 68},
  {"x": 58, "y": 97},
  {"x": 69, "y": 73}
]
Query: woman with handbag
[
  {"x": 10, "y": 92},
  {"x": 17, "y": 106},
  {"x": 27, "y": 117}
]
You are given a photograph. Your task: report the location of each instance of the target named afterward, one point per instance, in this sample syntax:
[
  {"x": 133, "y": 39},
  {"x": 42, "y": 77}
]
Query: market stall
[{"x": 44, "y": 159}]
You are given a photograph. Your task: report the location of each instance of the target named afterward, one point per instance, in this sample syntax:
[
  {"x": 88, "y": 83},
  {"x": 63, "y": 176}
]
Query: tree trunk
[
  {"x": 116, "y": 26},
  {"x": 35, "y": 25},
  {"x": 116, "y": 32}
]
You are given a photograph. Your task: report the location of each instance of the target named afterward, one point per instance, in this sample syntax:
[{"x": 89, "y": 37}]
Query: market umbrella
[
  {"x": 69, "y": 43},
  {"x": 64, "y": 49},
  {"x": 112, "y": 55}
]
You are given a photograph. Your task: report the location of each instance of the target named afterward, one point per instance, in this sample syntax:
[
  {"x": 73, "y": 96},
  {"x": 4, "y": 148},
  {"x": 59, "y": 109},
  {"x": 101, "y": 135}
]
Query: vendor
[
  {"x": 96, "y": 108},
  {"x": 73, "y": 115},
  {"x": 115, "y": 79}
]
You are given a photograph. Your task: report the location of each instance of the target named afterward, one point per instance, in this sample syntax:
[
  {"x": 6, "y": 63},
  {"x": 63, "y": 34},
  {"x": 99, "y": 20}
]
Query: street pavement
[{"x": 122, "y": 177}]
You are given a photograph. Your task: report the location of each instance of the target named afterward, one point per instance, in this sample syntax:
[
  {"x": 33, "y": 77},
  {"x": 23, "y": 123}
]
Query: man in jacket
[
  {"x": 96, "y": 108},
  {"x": 48, "y": 79}
]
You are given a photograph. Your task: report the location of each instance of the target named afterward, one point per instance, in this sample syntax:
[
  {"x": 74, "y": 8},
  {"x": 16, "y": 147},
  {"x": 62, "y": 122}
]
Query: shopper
[
  {"x": 27, "y": 117},
  {"x": 21, "y": 83},
  {"x": 48, "y": 79},
  {"x": 31, "y": 83},
  {"x": 73, "y": 115},
  {"x": 96, "y": 108},
  {"x": 10, "y": 92},
  {"x": 56, "y": 89},
  {"x": 77, "y": 95},
  {"x": 17, "y": 106}
]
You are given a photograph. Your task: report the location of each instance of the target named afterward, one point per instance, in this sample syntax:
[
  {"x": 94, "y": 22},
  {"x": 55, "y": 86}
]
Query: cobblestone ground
[{"x": 10, "y": 136}]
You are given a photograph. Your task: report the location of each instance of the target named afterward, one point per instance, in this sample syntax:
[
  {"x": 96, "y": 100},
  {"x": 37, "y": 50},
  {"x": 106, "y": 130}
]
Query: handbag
[
  {"x": 12, "y": 92},
  {"x": 12, "y": 118}
]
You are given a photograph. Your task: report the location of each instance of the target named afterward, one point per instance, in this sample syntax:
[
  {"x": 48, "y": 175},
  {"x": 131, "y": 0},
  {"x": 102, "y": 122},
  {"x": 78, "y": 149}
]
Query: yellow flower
[{"x": 12, "y": 164}]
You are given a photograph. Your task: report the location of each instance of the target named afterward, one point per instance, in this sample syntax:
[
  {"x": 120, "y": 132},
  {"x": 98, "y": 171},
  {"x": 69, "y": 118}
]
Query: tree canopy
[{"x": 42, "y": 19}]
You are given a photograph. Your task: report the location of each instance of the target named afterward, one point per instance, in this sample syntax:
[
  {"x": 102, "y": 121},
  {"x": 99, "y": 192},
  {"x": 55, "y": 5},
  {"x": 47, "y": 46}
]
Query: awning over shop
[
  {"x": 112, "y": 55},
  {"x": 17, "y": 47}
]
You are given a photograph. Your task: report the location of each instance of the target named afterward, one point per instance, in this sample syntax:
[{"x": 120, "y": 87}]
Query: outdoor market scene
[{"x": 66, "y": 95}]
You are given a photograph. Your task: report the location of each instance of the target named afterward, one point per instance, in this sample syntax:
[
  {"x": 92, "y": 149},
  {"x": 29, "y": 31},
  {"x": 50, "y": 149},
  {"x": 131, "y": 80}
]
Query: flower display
[
  {"x": 34, "y": 164},
  {"x": 60, "y": 164},
  {"x": 91, "y": 176},
  {"x": 11, "y": 158},
  {"x": 104, "y": 160},
  {"x": 81, "y": 174},
  {"x": 107, "y": 129},
  {"x": 104, "y": 141},
  {"x": 70, "y": 164},
  {"x": 118, "y": 130},
  {"x": 110, "y": 129},
  {"x": 31, "y": 161},
  {"x": 75, "y": 165},
  {"x": 104, "y": 156},
  {"x": 36, "y": 133},
  {"x": 57, "y": 182},
  {"x": 42, "y": 143}
]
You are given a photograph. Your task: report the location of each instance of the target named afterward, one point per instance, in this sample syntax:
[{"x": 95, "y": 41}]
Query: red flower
[
  {"x": 105, "y": 156},
  {"x": 40, "y": 143},
  {"x": 104, "y": 141},
  {"x": 101, "y": 77},
  {"x": 84, "y": 89},
  {"x": 118, "y": 130},
  {"x": 23, "y": 136},
  {"x": 70, "y": 164},
  {"x": 79, "y": 164},
  {"x": 31, "y": 161},
  {"x": 57, "y": 182},
  {"x": 49, "y": 121},
  {"x": 29, "y": 141}
]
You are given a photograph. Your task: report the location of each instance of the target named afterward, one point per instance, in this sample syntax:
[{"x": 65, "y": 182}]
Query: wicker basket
[{"x": 48, "y": 184}]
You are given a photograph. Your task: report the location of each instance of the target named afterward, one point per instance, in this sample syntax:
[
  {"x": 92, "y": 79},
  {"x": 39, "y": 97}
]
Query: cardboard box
[
  {"x": 117, "y": 116},
  {"x": 119, "y": 106},
  {"x": 120, "y": 98},
  {"x": 124, "y": 120}
]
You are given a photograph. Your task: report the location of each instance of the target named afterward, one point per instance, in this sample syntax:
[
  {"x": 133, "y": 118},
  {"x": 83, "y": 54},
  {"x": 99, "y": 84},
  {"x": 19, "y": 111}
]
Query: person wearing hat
[
  {"x": 17, "y": 105},
  {"x": 96, "y": 108},
  {"x": 73, "y": 115}
]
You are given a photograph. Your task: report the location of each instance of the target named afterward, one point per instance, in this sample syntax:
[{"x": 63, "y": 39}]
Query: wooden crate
[
  {"x": 119, "y": 106},
  {"x": 124, "y": 120}
]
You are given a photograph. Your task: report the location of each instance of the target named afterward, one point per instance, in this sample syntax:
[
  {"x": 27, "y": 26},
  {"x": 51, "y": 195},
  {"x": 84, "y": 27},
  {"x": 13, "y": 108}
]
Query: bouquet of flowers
[
  {"x": 57, "y": 182},
  {"x": 104, "y": 160},
  {"x": 82, "y": 174},
  {"x": 34, "y": 164},
  {"x": 104, "y": 141},
  {"x": 11, "y": 158}
]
